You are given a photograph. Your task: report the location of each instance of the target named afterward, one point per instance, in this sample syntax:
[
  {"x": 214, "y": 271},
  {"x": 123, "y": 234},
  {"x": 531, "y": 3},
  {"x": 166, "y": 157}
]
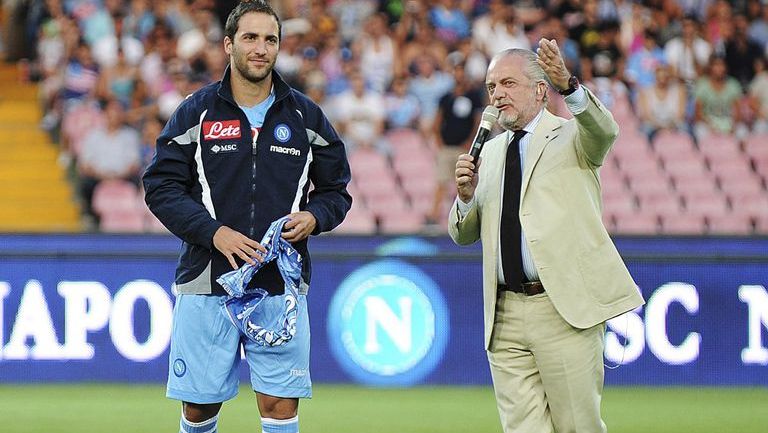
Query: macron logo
[
  {"x": 286, "y": 150},
  {"x": 221, "y": 130}
]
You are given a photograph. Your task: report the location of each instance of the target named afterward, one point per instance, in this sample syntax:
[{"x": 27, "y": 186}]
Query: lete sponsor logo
[{"x": 221, "y": 129}]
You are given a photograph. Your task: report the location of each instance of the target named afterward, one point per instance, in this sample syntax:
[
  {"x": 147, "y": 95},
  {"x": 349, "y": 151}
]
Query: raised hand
[{"x": 551, "y": 61}]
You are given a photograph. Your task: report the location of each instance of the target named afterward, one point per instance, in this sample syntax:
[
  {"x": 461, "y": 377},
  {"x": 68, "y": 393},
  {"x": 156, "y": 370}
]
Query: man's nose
[
  {"x": 260, "y": 47},
  {"x": 497, "y": 94}
]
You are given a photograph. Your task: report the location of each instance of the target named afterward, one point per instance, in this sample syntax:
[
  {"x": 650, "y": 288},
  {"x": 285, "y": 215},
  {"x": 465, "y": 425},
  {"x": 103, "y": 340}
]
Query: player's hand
[
  {"x": 466, "y": 177},
  {"x": 299, "y": 226},
  {"x": 551, "y": 61},
  {"x": 232, "y": 243}
]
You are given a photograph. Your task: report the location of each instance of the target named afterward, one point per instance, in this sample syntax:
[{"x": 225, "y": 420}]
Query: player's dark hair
[{"x": 245, "y": 7}]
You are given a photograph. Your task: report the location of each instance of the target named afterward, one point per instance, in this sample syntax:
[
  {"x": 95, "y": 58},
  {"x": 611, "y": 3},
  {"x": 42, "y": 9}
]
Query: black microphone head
[{"x": 490, "y": 115}]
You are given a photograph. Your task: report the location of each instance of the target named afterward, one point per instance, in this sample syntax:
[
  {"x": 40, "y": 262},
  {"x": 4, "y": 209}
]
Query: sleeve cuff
[
  {"x": 464, "y": 207},
  {"x": 577, "y": 101}
]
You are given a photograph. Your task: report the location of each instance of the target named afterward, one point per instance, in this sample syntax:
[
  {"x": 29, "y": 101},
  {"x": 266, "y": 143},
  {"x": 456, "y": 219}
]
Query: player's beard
[{"x": 240, "y": 62}]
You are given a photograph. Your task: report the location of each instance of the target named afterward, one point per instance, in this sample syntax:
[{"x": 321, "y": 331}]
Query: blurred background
[{"x": 85, "y": 269}]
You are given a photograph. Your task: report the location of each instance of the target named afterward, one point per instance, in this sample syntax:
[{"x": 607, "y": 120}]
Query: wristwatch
[{"x": 573, "y": 84}]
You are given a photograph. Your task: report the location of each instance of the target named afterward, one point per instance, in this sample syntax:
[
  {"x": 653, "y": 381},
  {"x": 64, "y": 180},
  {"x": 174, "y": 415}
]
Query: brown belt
[{"x": 530, "y": 288}]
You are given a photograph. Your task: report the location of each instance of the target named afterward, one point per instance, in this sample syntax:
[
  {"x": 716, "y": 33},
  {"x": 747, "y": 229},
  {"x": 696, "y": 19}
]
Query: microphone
[{"x": 490, "y": 114}]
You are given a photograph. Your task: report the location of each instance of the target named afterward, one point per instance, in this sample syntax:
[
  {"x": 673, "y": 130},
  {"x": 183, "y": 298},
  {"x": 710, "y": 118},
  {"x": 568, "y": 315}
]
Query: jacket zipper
[{"x": 254, "y": 151}]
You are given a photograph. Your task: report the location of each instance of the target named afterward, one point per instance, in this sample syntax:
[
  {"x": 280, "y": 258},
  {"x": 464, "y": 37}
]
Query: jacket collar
[
  {"x": 224, "y": 89},
  {"x": 546, "y": 131}
]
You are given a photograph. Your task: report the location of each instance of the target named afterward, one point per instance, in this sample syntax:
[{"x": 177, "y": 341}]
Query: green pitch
[{"x": 348, "y": 409}]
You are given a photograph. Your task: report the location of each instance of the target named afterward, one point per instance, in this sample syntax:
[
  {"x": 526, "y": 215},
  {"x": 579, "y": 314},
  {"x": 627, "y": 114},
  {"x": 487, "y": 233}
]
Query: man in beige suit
[{"x": 551, "y": 274}]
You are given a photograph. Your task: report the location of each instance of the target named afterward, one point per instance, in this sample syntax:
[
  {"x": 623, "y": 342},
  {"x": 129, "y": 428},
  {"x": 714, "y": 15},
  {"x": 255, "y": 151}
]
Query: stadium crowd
[{"x": 393, "y": 75}]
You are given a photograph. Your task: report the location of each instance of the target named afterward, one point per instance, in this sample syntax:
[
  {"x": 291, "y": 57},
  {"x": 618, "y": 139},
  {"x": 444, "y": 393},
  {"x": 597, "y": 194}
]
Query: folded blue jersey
[{"x": 244, "y": 308}]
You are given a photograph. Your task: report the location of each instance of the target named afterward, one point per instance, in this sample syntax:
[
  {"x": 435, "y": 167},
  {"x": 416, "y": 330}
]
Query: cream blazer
[{"x": 560, "y": 214}]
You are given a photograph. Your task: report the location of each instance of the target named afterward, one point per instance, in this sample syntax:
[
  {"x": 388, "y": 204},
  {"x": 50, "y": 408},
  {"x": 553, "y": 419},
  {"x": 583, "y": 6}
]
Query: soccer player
[{"x": 235, "y": 156}]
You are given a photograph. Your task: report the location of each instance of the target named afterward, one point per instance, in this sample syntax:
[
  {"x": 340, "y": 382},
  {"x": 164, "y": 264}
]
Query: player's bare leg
[
  {"x": 278, "y": 415},
  {"x": 200, "y": 412},
  {"x": 199, "y": 417}
]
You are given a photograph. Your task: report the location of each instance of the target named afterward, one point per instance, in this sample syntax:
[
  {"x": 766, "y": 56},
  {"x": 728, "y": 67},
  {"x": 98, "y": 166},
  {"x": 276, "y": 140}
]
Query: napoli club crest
[{"x": 282, "y": 133}]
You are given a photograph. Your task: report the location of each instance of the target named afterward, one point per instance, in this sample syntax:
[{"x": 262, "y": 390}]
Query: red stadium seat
[
  {"x": 388, "y": 204},
  {"x": 683, "y": 224},
  {"x": 637, "y": 224},
  {"x": 669, "y": 143},
  {"x": 713, "y": 206},
  {"x": 405, "y": 140},
  {"x": 731, "y": 224},
  {"x": 665, "y": 205},
  {"x": 653, "y": 185},
  {"x": 402, "y": 223},
  {"x": 359, "y": 220},
  {"x": 365, "y": 160},
  {"x": 115, "y": 196},
  {"x": 122, "y": 221}
]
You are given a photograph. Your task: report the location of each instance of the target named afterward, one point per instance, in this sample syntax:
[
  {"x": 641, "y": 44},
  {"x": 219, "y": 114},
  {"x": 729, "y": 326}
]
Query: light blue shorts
[{"x": 206, "y": 350}]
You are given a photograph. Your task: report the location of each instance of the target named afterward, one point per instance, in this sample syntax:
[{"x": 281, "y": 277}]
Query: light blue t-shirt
[{"x": 257, "y": 113}]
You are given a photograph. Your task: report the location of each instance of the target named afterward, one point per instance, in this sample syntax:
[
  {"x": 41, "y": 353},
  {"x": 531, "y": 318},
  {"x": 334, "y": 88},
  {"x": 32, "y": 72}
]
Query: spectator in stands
[
  {"x": 332, "y": 56},
  {"x": 98, "y": 23},
  {"x": 555, "y": 29},
  {"x": 151, "y": 129},
  {"x": 52, "y": 47},
  {"x": 602, "y": 65},
  {"x": 696, "y": 9},
  {"x": 603, "y": 58},
  {"x": 475, "y": 62},
  {"x": 688, "y": 54},
  {"x": 315, "y": 90},
  {"x": 428, "y": 86},
  {"x": 450, "y": 22},
  {"x": 632, "y": 27},
  {"x": 377, "y": 53},
  {"x": 415, "y": 17},
  {"x": 425, "y": 42},
  {"x": 322, "y": 23},
  {"x": 139, "y": 20},
  {"x": 291, "y": 59},
  {"x": 642, "y": 65},
  {"x": 758, "y": 96},
  {"x": 758, "y": 27},
  {"x": 664, "y": 21},
  {"x": 716, "y": 96},
  {"x": 105, "y": 49},
  {"x": 499, "y": 29},
  {"x": 586, "y": 29},
  {"x": 176, "y": 87},
  {"x": 359, "y": 115},
  {"x": 662, "y": 104},
  {"x": 310, "y": 72},
  {"x": 205, "y": 28},
  {"x": 741, "y": 52},
  {"x": 118, "y": 81},
  {"x": 718, "y": 25},
  {"x": 109, "y": 152},
  {"x": 161, "y": 49},
  {"x": 80, "y": 75},
  {"x": 351, "y": 14},
  {"x": 402, "y": 109},
  {"x": 458, "y": 115}
]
